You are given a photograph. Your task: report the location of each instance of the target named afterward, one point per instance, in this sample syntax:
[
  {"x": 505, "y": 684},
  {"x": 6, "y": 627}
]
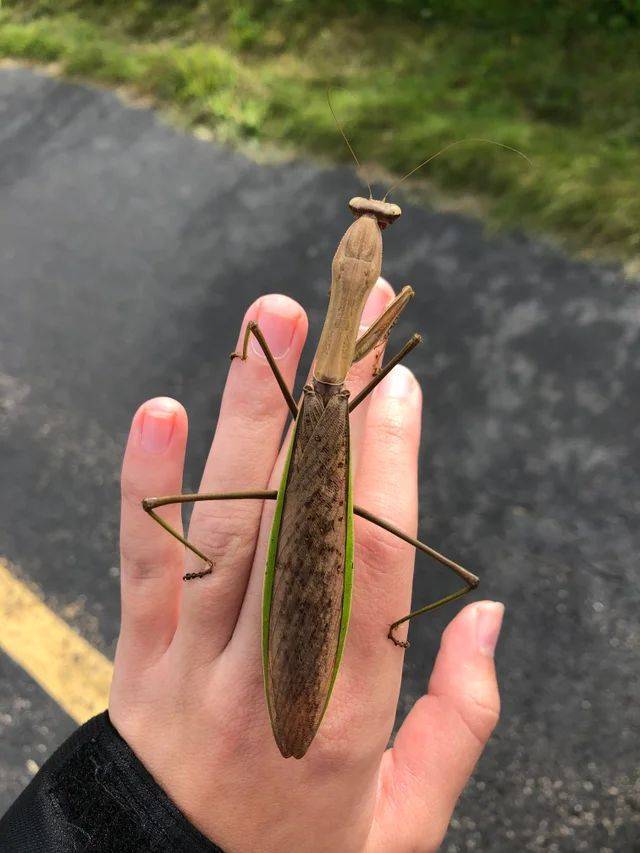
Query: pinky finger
[{"x": 151, "y": 560}]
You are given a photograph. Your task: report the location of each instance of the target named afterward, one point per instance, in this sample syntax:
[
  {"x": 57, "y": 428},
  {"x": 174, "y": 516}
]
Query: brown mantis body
[{"x": 309, "y": 572}]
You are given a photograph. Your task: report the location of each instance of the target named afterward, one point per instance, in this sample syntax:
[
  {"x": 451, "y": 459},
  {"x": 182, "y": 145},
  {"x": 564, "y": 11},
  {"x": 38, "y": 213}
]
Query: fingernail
[
  {"x": 375, "y": 304},
  {"x": 158, "y": 422},
  {"x": 399, "y": 383},
  {"x": 278, "y": 317},
  {"x": 488, "y": 625}
]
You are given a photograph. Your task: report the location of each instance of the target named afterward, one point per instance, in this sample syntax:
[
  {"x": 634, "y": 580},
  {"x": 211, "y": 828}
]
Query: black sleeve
[{"x": 93, "y": 795}]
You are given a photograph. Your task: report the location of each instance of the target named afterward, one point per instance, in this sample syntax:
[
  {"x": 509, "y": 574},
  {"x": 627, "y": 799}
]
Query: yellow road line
[{"x": 64, "y": 664}]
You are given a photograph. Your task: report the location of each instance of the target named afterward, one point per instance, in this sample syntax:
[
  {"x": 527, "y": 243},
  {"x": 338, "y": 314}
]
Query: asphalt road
[{"x": 128, "y": 252}]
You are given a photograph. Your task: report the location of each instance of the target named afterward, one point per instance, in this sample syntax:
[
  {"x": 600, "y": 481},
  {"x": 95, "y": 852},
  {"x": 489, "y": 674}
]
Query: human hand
[{"x": 187, "y": 691}]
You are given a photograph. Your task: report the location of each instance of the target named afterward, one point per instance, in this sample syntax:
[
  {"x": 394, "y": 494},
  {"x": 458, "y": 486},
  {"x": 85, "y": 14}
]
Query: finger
[
  {"x": 242, "y": 456},
  {"x": 151, "y": 560},
  {"x": 441, "y": 740},
  {"x": 385, "y": 485},
  {"x": 361, "y": 373}
]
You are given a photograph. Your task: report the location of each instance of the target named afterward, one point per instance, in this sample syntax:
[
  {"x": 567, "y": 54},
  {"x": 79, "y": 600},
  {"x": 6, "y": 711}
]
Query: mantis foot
[
  {"x": 403, "y": 644},
  {"x": 190, "y": 576}
]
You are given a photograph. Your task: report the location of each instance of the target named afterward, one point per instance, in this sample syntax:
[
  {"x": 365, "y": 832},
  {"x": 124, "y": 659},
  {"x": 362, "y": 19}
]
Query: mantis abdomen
[{"x": 308, "y": 579}]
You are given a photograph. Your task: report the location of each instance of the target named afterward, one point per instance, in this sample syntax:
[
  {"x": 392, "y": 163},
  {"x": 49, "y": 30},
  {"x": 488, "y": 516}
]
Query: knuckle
[
  {"x": 261, "y": 407},
  {"x": 133, "y": 492},
  {"x": 479, "y": 716},
  {"x": 391, "y": 426},
  {"x": 141, "y": 561},
  {"x": 219, "y": 533},
  {"x": 255, "y": 422},
  {"x": 394, "y": 424},
  {"x": 130, "y": 488},
  {"x": 377, "y": 549},
  {"x": 217, "y": 542},
  {"x": 333, "y": 755},
  {"x": 265, "y": 401}
]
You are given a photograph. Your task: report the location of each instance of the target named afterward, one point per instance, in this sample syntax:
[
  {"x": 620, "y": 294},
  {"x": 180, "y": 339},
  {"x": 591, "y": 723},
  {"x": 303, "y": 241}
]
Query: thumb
[{"x": 443, "y": 736}]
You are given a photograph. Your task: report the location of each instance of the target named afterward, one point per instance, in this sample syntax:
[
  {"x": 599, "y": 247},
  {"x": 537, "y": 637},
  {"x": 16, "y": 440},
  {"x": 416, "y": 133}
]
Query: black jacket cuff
[{"x": 94, "y": 795}]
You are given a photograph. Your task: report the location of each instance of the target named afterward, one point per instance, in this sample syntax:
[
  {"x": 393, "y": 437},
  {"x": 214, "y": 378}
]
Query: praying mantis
[
  {"x": 309, "y": 569},
  {"x": 308, "y": 577}
]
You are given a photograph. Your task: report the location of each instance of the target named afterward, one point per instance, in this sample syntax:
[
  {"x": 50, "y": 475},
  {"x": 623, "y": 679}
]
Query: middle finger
[{"x": 243, "y": 452}]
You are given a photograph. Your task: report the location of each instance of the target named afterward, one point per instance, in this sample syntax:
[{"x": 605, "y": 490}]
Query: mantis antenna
[
  {"x": 344, "y": 136},
  {"x": 453, "y": 145}
]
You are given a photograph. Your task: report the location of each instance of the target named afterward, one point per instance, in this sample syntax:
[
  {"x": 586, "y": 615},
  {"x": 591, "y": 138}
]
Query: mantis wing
[{"x": 307, "y": 593}]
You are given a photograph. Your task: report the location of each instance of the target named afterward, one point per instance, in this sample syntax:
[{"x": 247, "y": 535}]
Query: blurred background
[{"x": 162, "y": 164}]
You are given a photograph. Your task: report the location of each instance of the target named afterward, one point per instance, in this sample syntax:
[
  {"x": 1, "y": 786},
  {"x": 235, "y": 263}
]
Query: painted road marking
[{"x": 72, "y": 672}]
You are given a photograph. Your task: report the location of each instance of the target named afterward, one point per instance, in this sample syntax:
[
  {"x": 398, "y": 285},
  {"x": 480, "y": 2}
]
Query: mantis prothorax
[{"x": 309, "y": 570}]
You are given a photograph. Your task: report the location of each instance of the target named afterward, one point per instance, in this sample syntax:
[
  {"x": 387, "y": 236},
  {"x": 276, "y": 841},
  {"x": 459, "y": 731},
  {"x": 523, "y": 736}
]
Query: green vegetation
[{"x": 558, "y": 79}]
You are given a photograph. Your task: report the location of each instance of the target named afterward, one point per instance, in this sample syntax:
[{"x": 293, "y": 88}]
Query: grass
[{"x": 568, "y": 97}]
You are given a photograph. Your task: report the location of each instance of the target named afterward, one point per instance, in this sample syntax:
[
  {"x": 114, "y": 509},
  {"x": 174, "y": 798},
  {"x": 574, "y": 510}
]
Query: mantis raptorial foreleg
[
  {"x": 151, "y": 504},
  {"x": 254, "y": 329},
  {"x": 471, "y": 580},
  {"x": 379, "y": 330}
]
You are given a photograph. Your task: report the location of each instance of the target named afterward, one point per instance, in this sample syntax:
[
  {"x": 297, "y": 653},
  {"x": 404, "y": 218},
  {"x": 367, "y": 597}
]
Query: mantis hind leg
[
  {"x": 471, "y": 581},
  {"x": 254, "y": 329},
  {"x": 149, "y": 505}
]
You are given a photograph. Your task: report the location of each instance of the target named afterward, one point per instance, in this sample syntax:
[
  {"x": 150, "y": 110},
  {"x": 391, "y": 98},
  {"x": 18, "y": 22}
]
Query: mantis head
[{"x": 384, "y": 211}]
